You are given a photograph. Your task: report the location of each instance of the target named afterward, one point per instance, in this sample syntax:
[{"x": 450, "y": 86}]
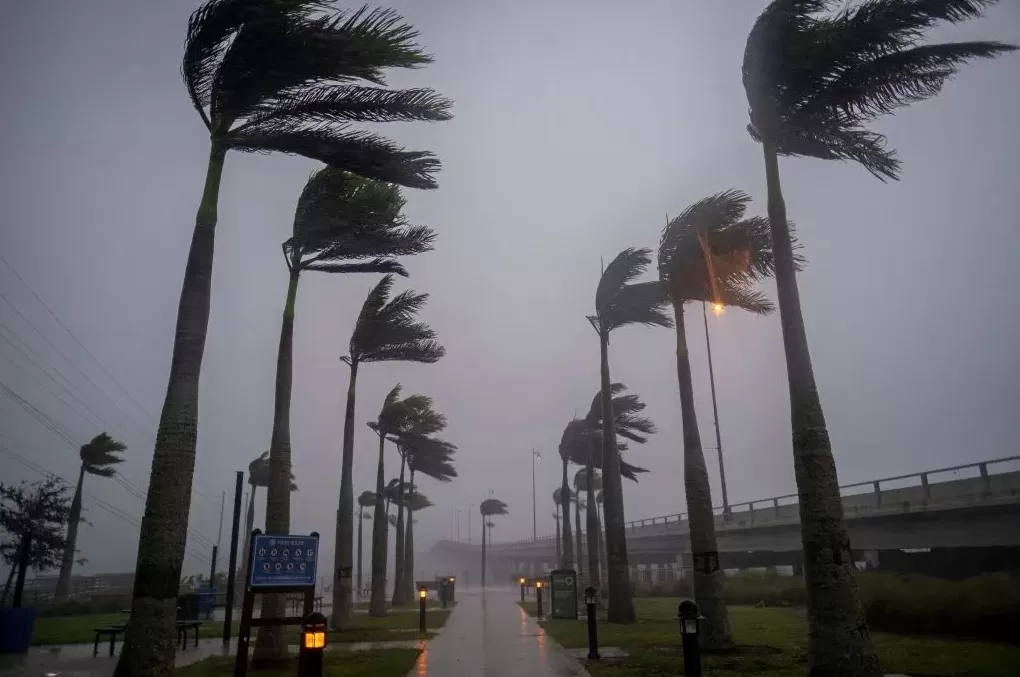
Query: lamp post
[
  {"x": 423, "y": 595},
  {"x": 534, "y": 501},
  {"x": 538, "y": 595},
  {"x": 688, "y": 617},
  {"x": 522, "y": 591},
  {"x": 591, "y": 601},
  {"x": 718, "y": 308},
  {"x": 313, "y": 642}
]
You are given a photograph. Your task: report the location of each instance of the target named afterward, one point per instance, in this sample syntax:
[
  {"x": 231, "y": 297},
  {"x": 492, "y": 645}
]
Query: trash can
[
  {"x": 16, "y": 628},
  {"x": 187, "y": 607}
]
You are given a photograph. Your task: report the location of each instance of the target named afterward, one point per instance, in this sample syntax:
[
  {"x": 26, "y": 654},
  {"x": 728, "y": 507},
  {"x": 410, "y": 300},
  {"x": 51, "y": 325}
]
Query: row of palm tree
[
  {"x": 290, "y": 76},
  {"x": 814, "y": 77}
]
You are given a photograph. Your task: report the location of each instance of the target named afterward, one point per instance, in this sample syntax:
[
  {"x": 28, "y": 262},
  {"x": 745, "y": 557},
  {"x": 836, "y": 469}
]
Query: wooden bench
[
  {"x": 112, "y": 631},
  {"x": 182, "y": 632}
]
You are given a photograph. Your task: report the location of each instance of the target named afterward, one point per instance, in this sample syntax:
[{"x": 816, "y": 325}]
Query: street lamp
[
  {"x": 718, "y": 308},
  {"x": 534, "y": 503},
  {"x": 522, "y": 591},
  {"x": 688, "y": 617}
]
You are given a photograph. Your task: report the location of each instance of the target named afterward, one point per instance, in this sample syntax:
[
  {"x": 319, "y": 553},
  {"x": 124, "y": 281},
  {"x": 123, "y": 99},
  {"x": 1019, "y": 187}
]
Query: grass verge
[
  {"x": 773, "y": 644},
  {"x": 372, "y": 663},
  {"x": 82, "y": 629}
]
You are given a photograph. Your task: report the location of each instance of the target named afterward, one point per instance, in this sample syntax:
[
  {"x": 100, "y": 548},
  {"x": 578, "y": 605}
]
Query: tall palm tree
[
  {"x": 343, "y": 224},
  {"x": 488, "y": 508},
  {"x": 387, "y": 330},
  {"x": 814, "y": 80},
  {"x": 264, "y": 76},
  {"x": 432, "y": 458},
  {"x": 710, "y": 253},
  {"x": 629, "y": 424},
  {"x": 557, "y": 499},
  {"x": 619, "y": 302},
  {"x": 99, "y": 457},
  {"x": 397, "y": 416},
  {"x": 365, "y": 500},
  {"x": 415, "y": 501},
  {"x": 569, "y": 433}
]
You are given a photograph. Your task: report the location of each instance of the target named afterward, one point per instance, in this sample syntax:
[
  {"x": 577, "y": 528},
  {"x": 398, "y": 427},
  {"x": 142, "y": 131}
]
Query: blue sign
[{"x": 283, "y": 561}]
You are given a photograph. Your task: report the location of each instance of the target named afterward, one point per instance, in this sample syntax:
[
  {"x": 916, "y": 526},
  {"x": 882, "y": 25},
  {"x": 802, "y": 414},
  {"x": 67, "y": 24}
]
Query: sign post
[
  {"x": 563, "y": 591},
  {"x": 276, "y": 564}
]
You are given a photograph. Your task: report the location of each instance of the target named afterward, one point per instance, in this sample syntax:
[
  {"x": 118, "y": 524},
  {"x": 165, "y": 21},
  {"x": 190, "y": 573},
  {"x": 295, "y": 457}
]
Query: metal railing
[{"x": 778, "y": 501}]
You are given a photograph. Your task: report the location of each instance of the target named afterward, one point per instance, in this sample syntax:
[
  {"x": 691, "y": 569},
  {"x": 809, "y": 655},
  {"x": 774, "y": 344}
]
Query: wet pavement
[{"x": 488, "y": 635}]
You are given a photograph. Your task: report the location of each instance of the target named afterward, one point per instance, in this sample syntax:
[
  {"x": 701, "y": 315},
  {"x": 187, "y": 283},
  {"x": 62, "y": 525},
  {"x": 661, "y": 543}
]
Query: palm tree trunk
[
  {"x": 592, "y": 528},
  {"x": 838, "y": 639},
  {"x": 483, "y": 551},
  {"x": 559, "y": 545},
  {"x": 270, "y": 644},
  {"x": 621, "y": 600},
  {"x": 577, "y": 529},
  {"x": 7, "y": 585},
  {"x": 67, "y": 561},
  {"x": 409, "y": 545},
  {"x": 151, "y": 636},
  {"x": 343, "y": 602},
  {"x": 709, "y": 578},
  {"x": 602, "y": 557},
  {"x": 380, "y": 535},
  {"x": 361, "y": 525},
  {"x": 568, "y": 540},
  {"x": 398, "y": 546}
]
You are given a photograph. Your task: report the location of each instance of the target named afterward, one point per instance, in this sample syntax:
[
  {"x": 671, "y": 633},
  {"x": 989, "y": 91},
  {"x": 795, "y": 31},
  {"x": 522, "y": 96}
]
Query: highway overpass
[{"x": 972, "y": 508}]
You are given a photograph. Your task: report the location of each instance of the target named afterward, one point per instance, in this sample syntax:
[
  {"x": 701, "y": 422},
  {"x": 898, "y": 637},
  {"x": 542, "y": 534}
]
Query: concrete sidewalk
[{"x": 488, "y": 635}]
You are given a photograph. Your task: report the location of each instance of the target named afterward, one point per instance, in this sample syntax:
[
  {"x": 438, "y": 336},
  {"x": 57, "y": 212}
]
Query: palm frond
[
  {"x": 644, "y": 303},
  {"x": 352, "y": 103},
  {"x": 813, "y": 80},
  {"x": 366, "y": 499},
  {"x": 363, "y": 153},
  {"x": 631, "y": 472},
  {"x": 425, "y": 352},
  {"x": 493, "y": 506},
  {"x": 623, "y": 269},
  {"x": 387, "y": 330},
  {"x": 100, "y": 454},
  {"x": 387, "y": 266}
]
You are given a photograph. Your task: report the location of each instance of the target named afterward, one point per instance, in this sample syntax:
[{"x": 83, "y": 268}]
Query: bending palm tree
[
  {"x": 387, "y": 330},
  {"x": 365, "y": 500},
  {"x": 433, "y": 458},
  {"x": 566, "y": 496},
  {"x": 557, "y": 499},
  {"x": 710, "y": 253},
  {"x": 395, "y": 418},
  {"x": 488, "y": 508},
  {"x": 343, "y": 224},
  {"x": 620, "y": 302},
  {"x": 264, "y": 76},
  {"x": 258, "y": 476},
  {"x": 813, "y": 81},
  {"x": 98, "y": 457},
  {"x": 415, "y": 502}
]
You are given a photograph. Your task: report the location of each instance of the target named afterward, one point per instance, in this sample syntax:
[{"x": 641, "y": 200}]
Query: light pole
[
  {"x": 458, "y": 525},
  {"x": 534, "y": 501},
  {"x": 471, "y": 509},
  {"x": 718, "y": 308}
]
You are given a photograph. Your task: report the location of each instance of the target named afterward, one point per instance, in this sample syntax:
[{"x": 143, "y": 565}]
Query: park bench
[
  {"x": 182, "y": 632},
  {"x": 112, "y": 631}
]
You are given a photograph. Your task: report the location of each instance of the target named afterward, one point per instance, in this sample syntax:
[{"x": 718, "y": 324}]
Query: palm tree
[
  {"x": 712, "y": 254},
  {"x": 343, "y": 224},
  {"x": 264, "y": 76},
  {"x": 814, "y": 80},
  {"x": 387, "y": 330},
  {"x": 619, "y": 302},
  {"x": 430, "y": 457},
  {"x": 365, "y": 500},
  {"x": 557, "y": 499},
  {"x": 395, "y": 418},
  {"x": 415, "y": 502},
  {"x": 99, "y": 456},
  {"x": 488, "y": 508},
  {"x": 565, "y": 496},
  {"x": 258, "y": 476}
]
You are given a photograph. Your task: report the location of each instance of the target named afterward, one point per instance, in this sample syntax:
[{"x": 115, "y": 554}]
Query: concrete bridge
[{"x": 932, "y": 517}]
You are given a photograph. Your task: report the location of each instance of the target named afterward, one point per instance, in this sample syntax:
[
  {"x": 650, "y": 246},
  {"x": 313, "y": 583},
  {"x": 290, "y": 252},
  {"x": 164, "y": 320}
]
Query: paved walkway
[{"x": 488, "y": 635}]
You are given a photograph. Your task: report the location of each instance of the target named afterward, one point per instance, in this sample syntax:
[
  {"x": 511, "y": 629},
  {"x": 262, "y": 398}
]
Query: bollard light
[
  {"x": 313, "y": 642},
  {"x": 689, "y": 618},
  {"x": 538, "y": 597},
  {"x": 522, "y": 591},
  {"x": 591, "y": 601},
  {"x": 423, "y": 594}
]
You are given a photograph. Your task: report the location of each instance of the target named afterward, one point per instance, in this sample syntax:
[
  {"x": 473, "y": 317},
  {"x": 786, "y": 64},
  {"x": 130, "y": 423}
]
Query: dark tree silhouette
[
  {"x": 488, "y": 508},
  {"x": 42, "y": 508},
  {"x": 814, "y": 80}
]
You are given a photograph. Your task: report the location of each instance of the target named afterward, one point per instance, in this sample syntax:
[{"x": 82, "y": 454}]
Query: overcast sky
[{"x": 579, "y": 126}]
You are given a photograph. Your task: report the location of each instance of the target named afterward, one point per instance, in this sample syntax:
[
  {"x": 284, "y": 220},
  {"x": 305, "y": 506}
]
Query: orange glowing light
[
  {"x": 538, "y": 584},
  {"x": 315, "y": 639},
  {"x": 423, "y": 593},
  {"x": 718, "y": 308}
]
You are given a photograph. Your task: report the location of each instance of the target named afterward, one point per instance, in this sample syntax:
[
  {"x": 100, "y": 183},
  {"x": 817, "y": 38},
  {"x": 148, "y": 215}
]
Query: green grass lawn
[
  {"x": 81, "y": 629},
  {"x": 373, "y": 663},
  {"x": 773, "y": 644}
]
